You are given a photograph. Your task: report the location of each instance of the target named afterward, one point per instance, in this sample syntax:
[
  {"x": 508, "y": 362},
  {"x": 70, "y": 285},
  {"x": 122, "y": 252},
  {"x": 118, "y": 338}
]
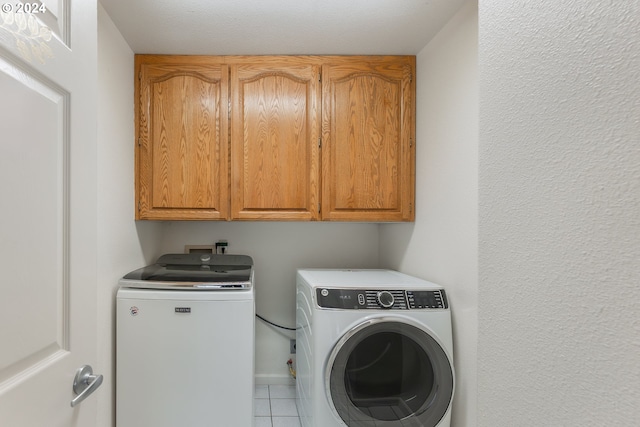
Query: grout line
[{"x": 271, "y": 409}]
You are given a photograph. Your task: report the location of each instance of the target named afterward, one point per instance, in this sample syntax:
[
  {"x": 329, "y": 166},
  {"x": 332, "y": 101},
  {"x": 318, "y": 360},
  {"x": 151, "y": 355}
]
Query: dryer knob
[{"x": 385, "y": 299}]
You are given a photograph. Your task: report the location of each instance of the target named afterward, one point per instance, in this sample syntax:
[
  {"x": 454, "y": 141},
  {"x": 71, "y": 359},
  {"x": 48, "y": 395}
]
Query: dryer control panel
[{"x": 390, "y": 299}]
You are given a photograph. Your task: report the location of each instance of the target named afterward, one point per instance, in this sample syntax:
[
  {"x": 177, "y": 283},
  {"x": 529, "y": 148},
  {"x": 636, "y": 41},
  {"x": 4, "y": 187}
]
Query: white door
[{"x": 47, "y": 210}]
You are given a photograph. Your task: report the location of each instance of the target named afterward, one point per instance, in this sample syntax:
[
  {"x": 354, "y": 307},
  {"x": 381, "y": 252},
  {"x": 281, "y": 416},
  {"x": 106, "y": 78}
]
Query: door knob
[{"x": 84, "y": 384}]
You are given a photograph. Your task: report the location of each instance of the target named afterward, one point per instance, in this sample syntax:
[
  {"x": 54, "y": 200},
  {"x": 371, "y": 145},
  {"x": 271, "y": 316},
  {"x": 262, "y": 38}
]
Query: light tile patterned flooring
[{"x": 275, "y": 406}]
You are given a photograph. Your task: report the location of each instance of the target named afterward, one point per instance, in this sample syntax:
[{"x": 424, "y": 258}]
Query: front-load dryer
[{"x": 374, "y": 348}]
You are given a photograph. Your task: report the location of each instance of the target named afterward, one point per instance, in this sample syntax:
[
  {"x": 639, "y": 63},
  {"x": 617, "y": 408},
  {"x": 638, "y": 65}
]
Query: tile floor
[{"x": 275, "y": 406}]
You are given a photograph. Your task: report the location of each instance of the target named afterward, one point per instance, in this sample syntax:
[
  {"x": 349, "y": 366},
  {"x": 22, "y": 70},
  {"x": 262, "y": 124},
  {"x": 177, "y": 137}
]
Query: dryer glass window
[
  {"x": 390, "y": 371},
  {"x": 388, "y": 375}
]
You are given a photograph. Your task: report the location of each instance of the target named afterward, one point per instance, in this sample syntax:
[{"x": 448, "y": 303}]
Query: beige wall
[
  {"x": 123, "y": 245},
  {"x": 559, "y": 198},
  {"x": 442, "y": 244}
]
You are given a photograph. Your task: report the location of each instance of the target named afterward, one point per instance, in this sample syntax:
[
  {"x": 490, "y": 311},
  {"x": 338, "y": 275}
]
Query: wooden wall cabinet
[
  {"x": 275, "y": 122},
  {"x": 182, "y": 138},
  {"x": 368, "y": 160},
  {"x": 275, "y": 138}
]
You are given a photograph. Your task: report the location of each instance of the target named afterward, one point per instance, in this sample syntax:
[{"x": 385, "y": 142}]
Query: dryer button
[
  {"x": 361, "y": 299},
  {"x": 385, "y": 299}
]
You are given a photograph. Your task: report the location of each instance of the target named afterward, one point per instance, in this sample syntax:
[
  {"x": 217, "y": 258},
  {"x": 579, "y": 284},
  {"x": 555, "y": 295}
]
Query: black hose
[{"x": 274, "y": 324}]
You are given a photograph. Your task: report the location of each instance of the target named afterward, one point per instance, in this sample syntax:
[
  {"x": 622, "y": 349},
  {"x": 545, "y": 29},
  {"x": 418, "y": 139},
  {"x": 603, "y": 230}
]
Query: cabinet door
[
  {"x": 368, "y": 160},
  {"x": 182, "y": 156},
  {"x": 274, "y": 140}
]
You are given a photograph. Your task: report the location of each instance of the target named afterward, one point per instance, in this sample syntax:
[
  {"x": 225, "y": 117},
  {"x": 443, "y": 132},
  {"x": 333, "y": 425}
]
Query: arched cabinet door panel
[
  {"x": 368, "y": 154},
  {"x": 182, "y": 147},
  {"x": 275, "y": 126}
]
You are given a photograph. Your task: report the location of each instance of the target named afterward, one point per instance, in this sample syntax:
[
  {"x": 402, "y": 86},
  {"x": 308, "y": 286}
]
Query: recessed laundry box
[
  {"x": 374, "y": 348},
  {"x": 185, "y": 343}
]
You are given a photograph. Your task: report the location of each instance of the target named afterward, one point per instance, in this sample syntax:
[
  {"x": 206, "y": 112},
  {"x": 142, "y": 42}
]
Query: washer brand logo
[
  {"x": 183, "y": 309},
  {"x": 134, "y": 311}
]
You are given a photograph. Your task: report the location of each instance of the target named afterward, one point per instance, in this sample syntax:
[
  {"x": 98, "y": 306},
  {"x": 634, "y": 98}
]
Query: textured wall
[
  {"x": 442, "y": 244},
  {"x": 559, "y": 292},
  {"x": 123, "y": 244}
]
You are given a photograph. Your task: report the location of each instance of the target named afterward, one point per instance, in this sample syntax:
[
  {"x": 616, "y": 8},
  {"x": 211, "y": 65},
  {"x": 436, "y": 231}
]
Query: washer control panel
[{"x": 390, "y": 299}]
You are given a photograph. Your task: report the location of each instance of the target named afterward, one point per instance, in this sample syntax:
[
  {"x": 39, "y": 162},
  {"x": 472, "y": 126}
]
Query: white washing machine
[
  {"x": 185, "y": 343},
  {"x": 374, "y": 348}
]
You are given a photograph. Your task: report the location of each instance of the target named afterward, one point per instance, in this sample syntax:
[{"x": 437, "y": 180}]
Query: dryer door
[{"x": 387, "y": 372}]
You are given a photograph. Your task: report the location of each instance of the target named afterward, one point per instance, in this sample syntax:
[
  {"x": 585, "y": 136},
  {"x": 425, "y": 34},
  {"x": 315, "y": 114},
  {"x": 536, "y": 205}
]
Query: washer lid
[{"x": 193, "y": 271}]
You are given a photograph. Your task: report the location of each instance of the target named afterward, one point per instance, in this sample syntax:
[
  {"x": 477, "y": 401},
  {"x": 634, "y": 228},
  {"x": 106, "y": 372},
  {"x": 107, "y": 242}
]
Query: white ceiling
[{"x": 288, "y": 27}]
